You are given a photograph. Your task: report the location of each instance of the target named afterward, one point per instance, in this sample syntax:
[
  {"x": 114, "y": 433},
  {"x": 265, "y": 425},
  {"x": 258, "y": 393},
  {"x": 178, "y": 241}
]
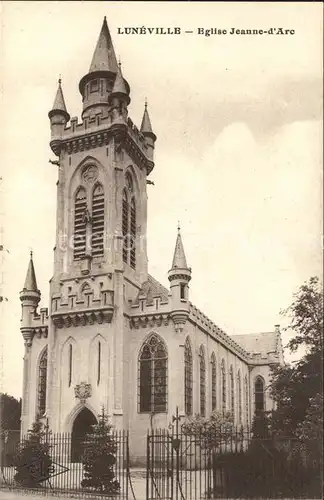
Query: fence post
[{"x": 147, "y": 464}]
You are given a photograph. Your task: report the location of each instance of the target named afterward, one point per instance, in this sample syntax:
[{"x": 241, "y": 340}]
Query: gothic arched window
[
  {"x": 188, "y": 377},
  {"x": 202, "y": 379},
  {"x": 42, "y": 378},
  {"x": 246, "y": 399},
  {"x": 99, "y": 363},
  {"x": 153, "y": 361},
  {"x": 70, "y": 364},
  {"x": 213, "y": 381},
  {"x": 259, "y": 394},
  {"x": 98, "y": 220},
  {"x": 223, "y": 377},
  {"x": 232, "y": 390},
  {"x": 129, "y": 222},
  {"x": 80, "y": 205},
  {"x": 239, "y": 395}
]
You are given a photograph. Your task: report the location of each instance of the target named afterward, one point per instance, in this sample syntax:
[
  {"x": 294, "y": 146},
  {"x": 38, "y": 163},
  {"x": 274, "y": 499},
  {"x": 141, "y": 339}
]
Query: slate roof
[
  {"x": 119, "y": 85},
  {"x": 59, "y": 102},
  {"x": 179, "y": 258},
  {"x": 146, "y": 127},
  {"x": 259, "y": 342},
  {"x": 30, "y": 281},
  {"x": 104, "y": 58},
  {"x": 152, "y": 288}
]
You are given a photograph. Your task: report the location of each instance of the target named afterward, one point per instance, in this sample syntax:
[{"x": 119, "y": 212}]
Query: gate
[{"x": 178, "y": 467}]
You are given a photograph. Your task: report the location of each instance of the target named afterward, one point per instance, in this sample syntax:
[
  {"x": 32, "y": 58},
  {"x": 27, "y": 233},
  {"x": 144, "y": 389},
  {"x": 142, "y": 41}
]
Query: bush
[
  {"x": 32, "y": 460},
  {"x": 212, "y": 431},
  {"x": 264, "y": 471},
  {"x": 260, "y": 426},
  {"x": 99, "y": 458}
]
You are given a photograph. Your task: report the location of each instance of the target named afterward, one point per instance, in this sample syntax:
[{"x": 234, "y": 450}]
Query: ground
[{"x": 138, "y": 477}]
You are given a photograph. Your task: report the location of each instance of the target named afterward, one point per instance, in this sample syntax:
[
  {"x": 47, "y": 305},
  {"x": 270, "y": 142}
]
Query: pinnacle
[
  {"x": 179, "y": 258},
  {"x": 104, "y": 58},
  {"x": 59, "y": 102},
  {"x": 146, "y": 127},
  {"x": 119, "y": 85},
  {"x": 30, "y": 281}
]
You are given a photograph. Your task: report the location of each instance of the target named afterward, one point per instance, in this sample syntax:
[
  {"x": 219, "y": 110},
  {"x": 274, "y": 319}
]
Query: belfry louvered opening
[
  {"x": 125, "y": 226},
  {"x": 129, "y": 222},
  {"x": 80, "y": 205},
  {"x": 98, "y": 221},
  {"x": 133, "y": 234}
]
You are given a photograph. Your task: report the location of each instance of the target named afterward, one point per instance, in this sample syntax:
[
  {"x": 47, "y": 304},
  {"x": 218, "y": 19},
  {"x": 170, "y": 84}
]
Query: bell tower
[{"x": 100, "y": 255}]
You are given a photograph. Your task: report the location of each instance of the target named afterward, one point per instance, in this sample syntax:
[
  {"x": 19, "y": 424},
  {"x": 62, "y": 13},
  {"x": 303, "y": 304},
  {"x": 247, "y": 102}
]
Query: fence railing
[
  {"x": 236, "y": 464},
  {"x": 63, "y": 467}
]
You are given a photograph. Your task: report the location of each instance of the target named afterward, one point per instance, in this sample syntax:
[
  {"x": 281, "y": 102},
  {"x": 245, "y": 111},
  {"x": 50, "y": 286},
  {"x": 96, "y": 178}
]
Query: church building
[{"x": 113, "y": 336}]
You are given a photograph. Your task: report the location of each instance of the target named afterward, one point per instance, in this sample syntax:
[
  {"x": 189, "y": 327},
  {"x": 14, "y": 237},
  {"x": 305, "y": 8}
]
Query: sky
[{"x": 238, "y": 158}]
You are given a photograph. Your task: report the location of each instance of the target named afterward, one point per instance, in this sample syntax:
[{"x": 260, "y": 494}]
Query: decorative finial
[
  {"x": 60, "y": 79},
  {"x": 31, "y": 254},
  {"x": 145, "y": 103},
  {"x": 178, "y": 226}
]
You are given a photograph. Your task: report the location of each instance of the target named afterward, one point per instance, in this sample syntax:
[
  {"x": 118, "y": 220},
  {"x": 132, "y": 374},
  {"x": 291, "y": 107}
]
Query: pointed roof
[
  {"x": 59, "y": 102},
  {"x": 120, "y": 84},
  {"x": 179, "y": 258},
  {"x": 146, "y": 127},
  {"x": 151, "y": 289},
  {"x": 30, "y": 281},
  {"x": 104, "y": 58}
]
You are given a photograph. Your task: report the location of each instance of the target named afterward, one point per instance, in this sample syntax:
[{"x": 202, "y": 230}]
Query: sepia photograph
[{"x": 161, "y": 214}]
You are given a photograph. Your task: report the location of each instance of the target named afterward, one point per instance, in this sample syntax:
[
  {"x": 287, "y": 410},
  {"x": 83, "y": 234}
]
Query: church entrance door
[{"x": 82, "y": 426}]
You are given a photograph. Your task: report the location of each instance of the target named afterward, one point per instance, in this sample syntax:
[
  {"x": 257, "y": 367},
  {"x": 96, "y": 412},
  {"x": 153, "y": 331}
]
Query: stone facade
[{"x": 103, "y": 302}]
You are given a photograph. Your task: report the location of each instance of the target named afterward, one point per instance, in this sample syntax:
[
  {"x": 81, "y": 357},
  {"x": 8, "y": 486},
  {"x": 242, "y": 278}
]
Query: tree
[
  {"x": 10, "y": 411},
  {"x": 310, "y": 431},
  {"x": 99, "y": 458},
  {"x": 32, "y": 461},
  {"x": 212, "y": 431},
  {"x": 294, "y": 387},
  {"x": 260, "y": 426},
  {"x": 306, "y": 313}
]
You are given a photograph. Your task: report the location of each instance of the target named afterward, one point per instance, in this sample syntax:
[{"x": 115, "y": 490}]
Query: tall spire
[
  {"x": 59, "y": 103},
  {"x": 179, "y": 258},
  {"x": 146, "y": 127},
  {"x": 30, "y": 281},
  {"x": 104, "y": 58},
  {"x": 104, "y": 67}
]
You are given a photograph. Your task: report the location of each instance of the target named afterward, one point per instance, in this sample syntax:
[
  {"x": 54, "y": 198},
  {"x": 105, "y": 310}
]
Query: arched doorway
[{"x": 82, "y": 426}]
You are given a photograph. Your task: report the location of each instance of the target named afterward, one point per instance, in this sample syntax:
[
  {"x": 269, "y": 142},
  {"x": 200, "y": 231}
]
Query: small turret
[
  {"x": 58, "y": 117},
  {"x": 58, "y": 114},
  {"x": 119, "y": 97},
  {"x": 147, "y": 131},
  {"x": 29, "y": 297},
  {"x": 179, "y": 277}
]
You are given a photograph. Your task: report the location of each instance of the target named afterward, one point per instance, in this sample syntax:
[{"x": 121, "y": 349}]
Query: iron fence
[
  {"x": 65, "y": 469},
  {"x": 182, "y": 466}
]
